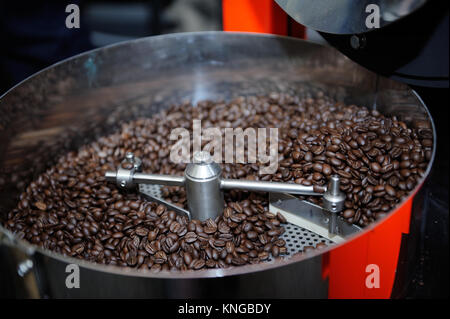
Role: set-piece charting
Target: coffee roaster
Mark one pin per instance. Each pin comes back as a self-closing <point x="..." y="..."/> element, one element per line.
<point x="87" y="96"/>
<point x="409" y="44"/>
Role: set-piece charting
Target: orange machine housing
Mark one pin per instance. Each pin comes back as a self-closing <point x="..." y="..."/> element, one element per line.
<point x="346" y="267"/>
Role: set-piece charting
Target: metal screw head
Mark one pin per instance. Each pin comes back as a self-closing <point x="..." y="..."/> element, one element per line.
<point x="357" y="42"/>
<point x="129" y="157"/>
<point x="24" y="267"/>
<point x="202" y="157"/>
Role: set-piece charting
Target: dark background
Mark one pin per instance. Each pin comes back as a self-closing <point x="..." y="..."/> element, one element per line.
<point x="34" y="35"/>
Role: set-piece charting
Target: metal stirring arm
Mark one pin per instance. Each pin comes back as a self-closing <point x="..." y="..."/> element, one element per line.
<point x="225" y="184"/>
<point x="271" y="187"/>
<point x="204" y="187"/>
<point x="128" y="175"/>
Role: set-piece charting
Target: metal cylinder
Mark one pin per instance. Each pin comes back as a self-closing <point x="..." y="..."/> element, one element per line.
<point x="333" y="201"/>
<point x="271" y="187"/>
<point x="202" y="182"/>
<point x="333" y="198"/>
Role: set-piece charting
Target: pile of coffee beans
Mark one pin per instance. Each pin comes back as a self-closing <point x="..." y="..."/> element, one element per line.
<point x="70" y="209"/>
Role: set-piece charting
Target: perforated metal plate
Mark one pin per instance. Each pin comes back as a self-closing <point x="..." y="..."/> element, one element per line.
<point x="296" y="237"/>
<point x="151" y="190"/>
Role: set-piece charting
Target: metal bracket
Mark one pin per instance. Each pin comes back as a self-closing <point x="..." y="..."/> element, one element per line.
<point x="153" y="193"/>
<point x="25" y="264"/>
<point x="310" y="216"/>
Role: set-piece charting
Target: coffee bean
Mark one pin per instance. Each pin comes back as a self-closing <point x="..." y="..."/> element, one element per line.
<point x="281" y="218"/>
<point x="40" y="205"/>
<point x="229" y="246"/>
<point x="390" y="190"/>
<point x="252" y="235"/>
<point x="140" y="231"/>
<point x="117" y="235"/>
<point x="198" y="264"/>
<point x="263" y="239"/>
<point x="326" y="169"/>
<point x="263" y="255"/>
<point x="348" y="213"/>
<point x="375" y="167"/>
<point x="219" y="243"/>
<point x="175" y="227"/>
<point x="211" y="226"/>
<point x="405" y="164"/>
<point x="335" y="162"/>
<point x="275" y="251"/>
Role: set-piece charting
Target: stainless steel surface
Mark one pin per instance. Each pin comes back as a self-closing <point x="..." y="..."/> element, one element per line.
<point x="136" y="161"/>
<point x="333" y="201"/>
<point x="346" y="16"/>
<point x="312" y="217"/>
<point x="25" y="267"/>
<point x="80" y="99"/>
<point x="299" y="239"/>
<point x="202" y="183"/>
<point x="271" y="187"/>
<point x="144" y="178"/>
<point x="124" y="177"/>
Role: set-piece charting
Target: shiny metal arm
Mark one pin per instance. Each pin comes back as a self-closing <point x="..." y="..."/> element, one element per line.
<point x="271" y="187"/>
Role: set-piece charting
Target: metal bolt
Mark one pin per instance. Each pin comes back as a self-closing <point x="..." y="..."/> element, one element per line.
<point x="130" y="157"/>
<point x="333" y="187"/>
<point x="202" y="157"/>
<point x="24" y="267"/>
<point x="357" y="42"/>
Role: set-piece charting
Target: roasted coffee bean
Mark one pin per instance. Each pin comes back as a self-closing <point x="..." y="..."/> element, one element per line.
<point x="375" y="167"/>
<point x="263" y="255"/>
<point x="117" y="235"/>
<point x="40" y="205"/>
<point x="223" y="228"/>
<point x="246" y="227"/>
<point x="348" y="213"/>
<point x="275" y="250"/>
<point x="390" y="190"/>
<point x="175" y="227"/>
<point x="252" y="235"/>
<point x="211" y="226"/>
<point x="281" y="218"/>
<point x="229" y="246"/>
<point x="263" y="239"/>
<point x="198" y="264"/>
<point x="335" y="162"/>
<point x="190" y="237"/>
<point x="219" y="243"/>
<point x="140" y="231"/>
